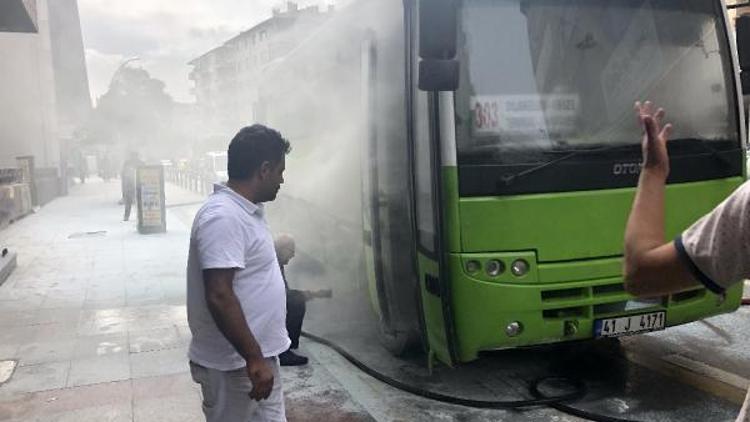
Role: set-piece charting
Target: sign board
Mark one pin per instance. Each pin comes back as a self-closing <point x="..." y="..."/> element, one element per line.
<point x="535" y="115"/>
<point x="150" y="199"/>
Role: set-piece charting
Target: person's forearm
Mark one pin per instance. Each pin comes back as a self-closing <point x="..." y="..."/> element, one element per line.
<point x="227" y="313"/>
<point x="645" y="227"/>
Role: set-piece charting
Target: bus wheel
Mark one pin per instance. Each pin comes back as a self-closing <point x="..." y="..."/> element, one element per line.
<point x="399" y="343"/>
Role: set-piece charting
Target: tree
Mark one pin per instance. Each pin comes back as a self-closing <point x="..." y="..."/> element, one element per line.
<point x="135" y="112"/>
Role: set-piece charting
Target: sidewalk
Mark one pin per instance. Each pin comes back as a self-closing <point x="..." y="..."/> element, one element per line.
<point x="95" y="317"/>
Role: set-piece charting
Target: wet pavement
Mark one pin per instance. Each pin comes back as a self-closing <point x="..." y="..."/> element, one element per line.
<point x="93" y="327"/>
<point x="94" y="317"/>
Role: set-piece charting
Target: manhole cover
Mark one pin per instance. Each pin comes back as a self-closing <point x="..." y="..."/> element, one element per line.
<point x="6" y="370"/>
<point x="100" y="233"/>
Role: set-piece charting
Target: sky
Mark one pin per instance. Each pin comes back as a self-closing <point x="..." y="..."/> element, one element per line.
<point x="164" y="35"/>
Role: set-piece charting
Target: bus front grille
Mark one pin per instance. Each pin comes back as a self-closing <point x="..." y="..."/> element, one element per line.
<point x="605" y="298"/>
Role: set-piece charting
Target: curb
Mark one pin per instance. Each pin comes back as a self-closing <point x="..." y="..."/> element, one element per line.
<point x="7" y="265"/>
<point x="704" y="377"/>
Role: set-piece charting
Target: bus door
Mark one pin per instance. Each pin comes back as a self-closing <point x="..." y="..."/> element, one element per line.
<point x="434" y="291"/>
<point x="424" y="108"/>
<point x="371" y="192"/>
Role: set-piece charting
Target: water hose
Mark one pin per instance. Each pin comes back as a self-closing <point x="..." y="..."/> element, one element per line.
<point x="556" y="402"/>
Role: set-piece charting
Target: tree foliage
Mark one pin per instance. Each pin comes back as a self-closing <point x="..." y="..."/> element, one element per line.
<point x="134" y="112"/>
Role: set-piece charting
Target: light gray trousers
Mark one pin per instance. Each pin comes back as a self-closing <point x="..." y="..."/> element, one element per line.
<point x="226" y="395"/>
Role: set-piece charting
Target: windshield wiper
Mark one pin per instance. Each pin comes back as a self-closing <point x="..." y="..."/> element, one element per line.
<point x="508" y="179"/>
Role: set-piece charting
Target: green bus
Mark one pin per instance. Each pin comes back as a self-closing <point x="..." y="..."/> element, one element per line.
<point x="498" y="157"/>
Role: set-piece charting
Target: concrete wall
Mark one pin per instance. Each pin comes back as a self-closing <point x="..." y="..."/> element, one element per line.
<point x="28" y="121"/>
<point x="69" y="64"/>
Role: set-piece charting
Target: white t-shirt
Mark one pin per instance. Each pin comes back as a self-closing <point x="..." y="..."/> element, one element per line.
<point x="717" y="247"/>
<point x="231" y="232"/>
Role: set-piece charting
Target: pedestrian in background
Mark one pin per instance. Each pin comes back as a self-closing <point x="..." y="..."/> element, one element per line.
<point x="128" y="182"/>
<point x="713" y="252"/>
<point x="236" y="302"/>
<point x="81" y="165"/>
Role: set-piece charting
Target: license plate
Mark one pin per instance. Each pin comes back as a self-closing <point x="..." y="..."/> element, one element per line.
<point x="632" y="324"/>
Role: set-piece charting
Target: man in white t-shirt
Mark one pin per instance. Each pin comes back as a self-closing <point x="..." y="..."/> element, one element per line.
<point x="712" y="252"/>
<point x="236" y="300"/>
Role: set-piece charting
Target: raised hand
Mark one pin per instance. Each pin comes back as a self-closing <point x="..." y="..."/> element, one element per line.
<point x="655" y="137"/>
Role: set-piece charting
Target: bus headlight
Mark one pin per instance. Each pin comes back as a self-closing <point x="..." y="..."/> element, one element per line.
<point x="519" y="268"/>
<point x="473" y="266"/>
<point x="495" y="267"/>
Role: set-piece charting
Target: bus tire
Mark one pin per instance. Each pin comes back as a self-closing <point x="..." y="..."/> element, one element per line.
<point x="399" y="343"/>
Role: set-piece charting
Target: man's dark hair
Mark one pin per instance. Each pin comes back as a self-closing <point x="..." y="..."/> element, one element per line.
<point x="250" y="147"/>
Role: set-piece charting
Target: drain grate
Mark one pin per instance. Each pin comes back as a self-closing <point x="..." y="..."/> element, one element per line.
<point x="100" y="233"/>
<point x="6" y="370"/>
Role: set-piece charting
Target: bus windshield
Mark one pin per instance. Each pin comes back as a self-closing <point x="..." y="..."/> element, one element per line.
<point x="542" y="78"/>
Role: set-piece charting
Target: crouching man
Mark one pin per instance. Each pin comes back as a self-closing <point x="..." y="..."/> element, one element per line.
<point x="296" y="302"/>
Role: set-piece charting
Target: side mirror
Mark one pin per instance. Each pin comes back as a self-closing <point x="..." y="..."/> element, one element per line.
<point x="438" y="20"/>
<point x="743" y="50"/>
<point x="745" y="82"/>
<point x="438" y="75"/>
<point x="743" y="41"/>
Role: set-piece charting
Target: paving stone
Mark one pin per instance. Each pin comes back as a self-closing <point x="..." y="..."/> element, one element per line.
<point x="9" y="350"/>
<point x="157" y="316"/>
<point x="99" y="369"/>
<point x="121" y="412"/>
<point x="45" y="376"/>
<point x="161" y="362"/>
<point x="164" y="386"/>
<point x="15" y="335"/>
<point x="104" y="303"/>
<point x="152" y="340"/>
<point x="101" y="345"/>
<point x="184" y="408"/>
<point x="53" y="332"/>
<point x="45" y="352"/>
<point x="9" y="318"/>
<point x="144" y="293"/>
<point x="64" y="315"/>
<point x="105" y="402"/>
<point x="25" y="304"/>
<point x="110" y="413"/>
<point x="101" y="324"/>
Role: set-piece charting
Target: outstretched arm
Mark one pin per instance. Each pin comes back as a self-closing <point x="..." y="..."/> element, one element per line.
<point x="652" y="267"/>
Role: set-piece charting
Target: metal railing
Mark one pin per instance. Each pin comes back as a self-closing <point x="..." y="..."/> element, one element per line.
<point x="194" y="181"/>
